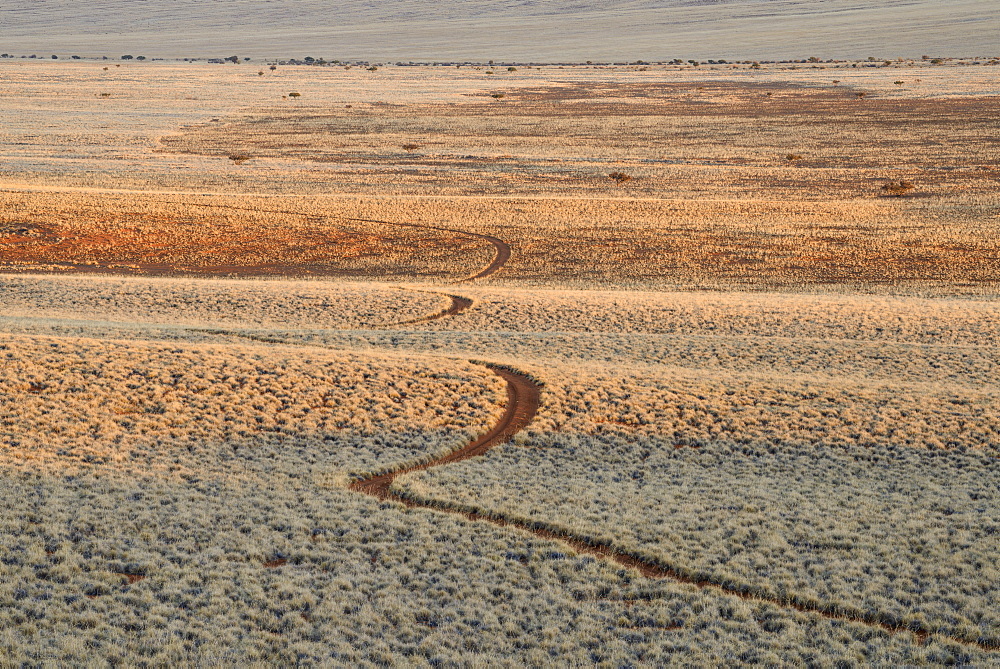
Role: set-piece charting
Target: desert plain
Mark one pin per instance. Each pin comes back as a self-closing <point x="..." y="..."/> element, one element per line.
<point x="483" y="365"/>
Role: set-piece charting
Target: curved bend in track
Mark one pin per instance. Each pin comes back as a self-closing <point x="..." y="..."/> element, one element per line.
<point x="522" y="404"/>
<point x="499" y="260"/>
<point x="458" y="303"/>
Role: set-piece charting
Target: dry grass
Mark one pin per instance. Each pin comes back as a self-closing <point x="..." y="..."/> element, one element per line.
<point x="816" y="421"/>
<point x="887" y="245"/>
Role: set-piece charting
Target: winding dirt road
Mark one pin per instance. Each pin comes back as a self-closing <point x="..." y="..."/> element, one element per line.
<point x="458" y="305"/>
<point x="502" y="253"/>
<point x="523" y="399"/>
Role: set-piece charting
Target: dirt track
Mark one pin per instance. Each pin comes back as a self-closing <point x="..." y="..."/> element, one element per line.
<point x="523" y="395"/>
<point x="522" y="404"/>
<point x="499" y="260"/>
<point x="523" y="398"/>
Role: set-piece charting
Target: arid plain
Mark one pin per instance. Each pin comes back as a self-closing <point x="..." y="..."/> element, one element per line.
<point x="393" y="371"/>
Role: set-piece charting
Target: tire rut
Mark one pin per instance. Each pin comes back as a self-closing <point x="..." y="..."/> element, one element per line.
<point x="458" y="305"/>
<point x="523" y="395"/>
<point x="502" y="253"/>
<point x="502" y="249"/>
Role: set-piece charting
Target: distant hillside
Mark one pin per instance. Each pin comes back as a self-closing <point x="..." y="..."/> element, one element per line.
<point x="524" y="30"/>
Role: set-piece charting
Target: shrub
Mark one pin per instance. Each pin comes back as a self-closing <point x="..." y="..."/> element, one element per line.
<point x="898" y="188"/>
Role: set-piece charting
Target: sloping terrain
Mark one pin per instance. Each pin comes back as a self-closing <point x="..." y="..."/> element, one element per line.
<point x="559" y="30"/>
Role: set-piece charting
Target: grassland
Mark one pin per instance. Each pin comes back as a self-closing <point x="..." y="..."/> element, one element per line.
<point x="767" y="389"/>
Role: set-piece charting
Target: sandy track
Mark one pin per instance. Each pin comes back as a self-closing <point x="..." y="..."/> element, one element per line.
<point x="523" y="395"/>
<point x="458" y="305"/>
<point x="499" y="260"/>
<point x="502" y="248"/>
<point x="523" y="398"/>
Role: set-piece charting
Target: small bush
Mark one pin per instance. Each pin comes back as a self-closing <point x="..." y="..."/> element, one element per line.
<point x="898" y="188"/>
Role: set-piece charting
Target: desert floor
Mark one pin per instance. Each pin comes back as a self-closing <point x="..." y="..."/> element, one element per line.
<point x="393" y="371"/>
